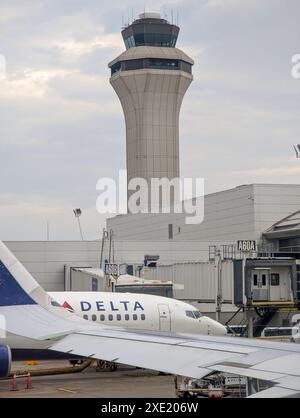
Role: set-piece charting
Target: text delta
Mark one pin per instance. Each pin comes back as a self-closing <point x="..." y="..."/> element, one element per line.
<point x="101" y="306"/>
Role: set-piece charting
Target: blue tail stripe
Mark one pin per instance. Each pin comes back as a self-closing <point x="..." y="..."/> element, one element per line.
<point x="11" y="293"/>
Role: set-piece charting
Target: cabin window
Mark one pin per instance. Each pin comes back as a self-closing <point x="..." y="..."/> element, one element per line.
<point x="86" y="317"/>
<point x="119" y="317"/>
<point x="102" y="317"/>
<point x="134" y="316"/>
<point x="94" y="318"/>
<point x="143" y="317"/>
<point x="126" y="317"/>
<point x="110" y="317"/>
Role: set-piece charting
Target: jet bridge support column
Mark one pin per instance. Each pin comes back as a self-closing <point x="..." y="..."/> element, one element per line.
<point x="249" y="317"/>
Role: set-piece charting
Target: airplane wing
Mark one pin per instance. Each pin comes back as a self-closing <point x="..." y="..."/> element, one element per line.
<point x="193" y="356"/>
<point x="28" y="312"/>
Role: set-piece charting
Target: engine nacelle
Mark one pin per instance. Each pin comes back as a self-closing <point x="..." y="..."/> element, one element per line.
<point x="5" y="360"/>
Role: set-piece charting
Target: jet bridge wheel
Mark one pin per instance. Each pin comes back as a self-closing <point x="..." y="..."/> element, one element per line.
<point x="261" y="312"/>
<point x="106" y="365"/>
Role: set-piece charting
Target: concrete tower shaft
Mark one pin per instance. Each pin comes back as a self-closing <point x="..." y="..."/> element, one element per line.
<point x="150" y="79"/>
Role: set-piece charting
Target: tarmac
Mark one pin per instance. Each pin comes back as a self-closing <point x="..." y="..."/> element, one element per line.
<point x="123" y="383"/>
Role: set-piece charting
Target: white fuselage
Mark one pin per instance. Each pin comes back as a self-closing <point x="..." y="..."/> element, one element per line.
<point x="139" y="311"/>
<point x="129" y="310"/>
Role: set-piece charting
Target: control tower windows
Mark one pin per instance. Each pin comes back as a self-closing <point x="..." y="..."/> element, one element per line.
<point x="155" y="63"/>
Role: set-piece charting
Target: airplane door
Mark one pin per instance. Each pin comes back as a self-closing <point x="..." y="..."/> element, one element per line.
<point x="275" y="287"/>
<point x="164" y="317"/>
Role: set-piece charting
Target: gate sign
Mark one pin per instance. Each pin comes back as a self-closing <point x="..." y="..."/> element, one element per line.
<point x="246" y="245"/>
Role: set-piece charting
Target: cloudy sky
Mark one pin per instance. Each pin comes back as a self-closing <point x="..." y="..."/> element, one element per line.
<point x="61" y="124"/>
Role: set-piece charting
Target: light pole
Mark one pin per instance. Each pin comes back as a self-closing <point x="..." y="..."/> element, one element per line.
<point x="78" y="213"/>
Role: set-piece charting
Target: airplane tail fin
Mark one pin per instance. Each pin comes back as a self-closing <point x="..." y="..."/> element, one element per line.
<point x="17" y="286"/>
<point x="25" y="305"/>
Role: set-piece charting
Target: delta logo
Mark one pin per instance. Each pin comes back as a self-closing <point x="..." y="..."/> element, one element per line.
<point x="67" y="306"/>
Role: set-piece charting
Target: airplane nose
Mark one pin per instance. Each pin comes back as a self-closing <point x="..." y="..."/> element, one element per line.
<point x="215" y="328"/>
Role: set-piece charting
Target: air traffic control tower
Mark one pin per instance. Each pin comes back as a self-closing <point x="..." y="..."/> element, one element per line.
<point x="150" y="79"/>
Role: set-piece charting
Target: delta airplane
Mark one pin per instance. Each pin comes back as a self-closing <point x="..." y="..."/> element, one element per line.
<point x="138" y="311"/>
<point x="26" y="313"/>
<point x="135" y="311"/>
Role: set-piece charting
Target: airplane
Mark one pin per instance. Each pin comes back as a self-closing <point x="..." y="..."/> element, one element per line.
<point x="138" y="311"/>
<point x="26" y="312"/>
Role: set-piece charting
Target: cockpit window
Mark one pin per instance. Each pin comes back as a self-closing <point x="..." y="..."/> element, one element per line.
<point x="56" y="304"/>
<point x="193" y="314"/>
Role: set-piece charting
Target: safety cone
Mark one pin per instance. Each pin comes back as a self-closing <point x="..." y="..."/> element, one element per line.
<point x="29" y="382"/>
<point x="14" y="386"/>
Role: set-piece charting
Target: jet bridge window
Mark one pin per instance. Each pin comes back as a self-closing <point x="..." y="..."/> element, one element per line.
<point x="275" y="279"/>
<point x="255" y="279"/>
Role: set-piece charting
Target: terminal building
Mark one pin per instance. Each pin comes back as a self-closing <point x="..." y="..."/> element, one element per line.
<point x="266" y="214"/>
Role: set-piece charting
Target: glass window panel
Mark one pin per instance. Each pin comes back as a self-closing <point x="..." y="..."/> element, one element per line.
<point x="190" y="314"/>
<point x="255" y="277"/>
<point x="275" y="279"/>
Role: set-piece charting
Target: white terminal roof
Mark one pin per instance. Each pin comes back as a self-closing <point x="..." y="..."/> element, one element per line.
<point x="286" y="227"/>
<point x="152" y="52"/>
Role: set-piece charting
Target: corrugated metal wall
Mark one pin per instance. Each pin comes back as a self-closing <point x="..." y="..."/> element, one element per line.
<point x="199" y="280"/>
<point x="46" y="260"/>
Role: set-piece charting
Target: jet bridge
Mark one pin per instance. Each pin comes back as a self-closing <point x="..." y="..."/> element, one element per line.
<point x="265" y="282"/>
